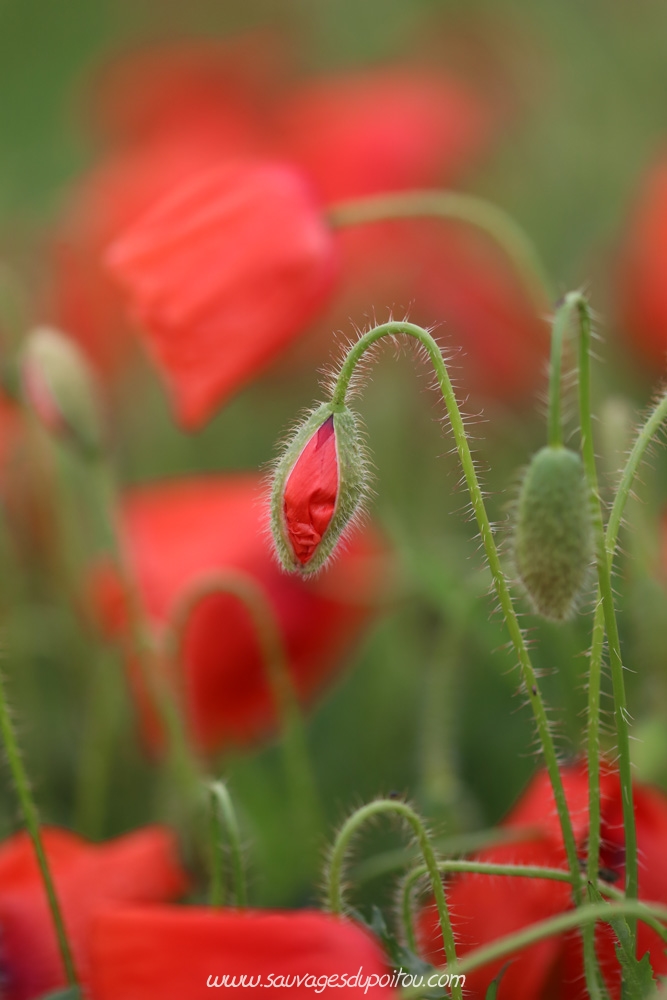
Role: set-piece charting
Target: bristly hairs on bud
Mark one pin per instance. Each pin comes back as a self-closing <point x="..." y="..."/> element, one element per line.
<point x="353" y="475"/>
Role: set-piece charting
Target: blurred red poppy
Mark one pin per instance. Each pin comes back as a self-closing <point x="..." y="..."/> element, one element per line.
<point x="169" y="953"/>
<point x="383" y="131"/>
<point x="642" y="277"/>
<point x="140" y="867"/>
<point x="177" y="536"/>
<point x="485" y="908"/>
<point x="222" y="275"/>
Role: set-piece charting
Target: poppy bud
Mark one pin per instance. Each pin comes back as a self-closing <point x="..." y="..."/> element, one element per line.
<point x="553" y="545"/>
<point x="59" y="386"/>
<point x="318" y="487"/>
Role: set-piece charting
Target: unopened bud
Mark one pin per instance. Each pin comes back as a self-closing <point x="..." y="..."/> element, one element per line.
<point x="60" y="388"/>
<point x="553" y="543"/>
<point x="318" y="487"/>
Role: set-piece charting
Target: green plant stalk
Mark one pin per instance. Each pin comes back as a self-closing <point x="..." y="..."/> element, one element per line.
<point x="185" y="765"/>
<point x="553" y="926"/>
<point x="336" y="866"/>
<point x="558" y="331"/>
<point x="100" y="730"/>
<point x="646" y="434"/>
<point x="528" y="675"/>
<point x="31" y="819"/>
<point x="482" y="868"/>
<point x="223" y="818"/>
<point x="454" y="205"/>
<point x="577" y="300"/>
<point x="243" y="587"/>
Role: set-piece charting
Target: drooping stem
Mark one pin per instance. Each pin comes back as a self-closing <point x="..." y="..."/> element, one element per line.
<point x="184" y="762"/>
<point x="223" y="820"/>
<point x="245" y="589"/>
<point x="576" y="300"/>
<point x="336" y="867"/>
<point x="552" y="927"/>
<point x="481" y="868"/>
<point x="454" y="205"/>
<point x="31" y="819"/>
<point x="528" y="674"/>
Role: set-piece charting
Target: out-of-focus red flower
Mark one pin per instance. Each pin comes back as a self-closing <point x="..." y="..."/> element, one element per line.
<point x="140" y="867"/>
<point x="163" y="953"/>
<point x="222" y="275"/>
<point x="177" y="536"/>
<point x="187" y="87"/>
<point x="84" y="301"/>
<point x="383" y="131"/>
<point x="484" y="908"/>
<point x="470" y="290"/>
<point x="642" y="279"/>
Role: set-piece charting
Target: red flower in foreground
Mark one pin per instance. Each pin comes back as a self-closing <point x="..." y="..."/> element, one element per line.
<point x="643" y="271"/>
<point x="177" y="535"/>
<point x="222" y="275"/>
<point x="161" y="953"/>
<point x="484" y="908"/>
<point x="311" y="491"/>
<point x="141" y="867"/>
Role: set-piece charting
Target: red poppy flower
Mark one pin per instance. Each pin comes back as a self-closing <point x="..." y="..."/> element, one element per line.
<point x="141" y="867"/>
<point x="383" y="131"/>
<point x="485" y="908"/>
<point x="168" y="953"/>
<point x="184" y="87"/>
<point x="177" y="535"/>
<point x="642" y="272"/>
<point x="222" y="275"/>
<point x="83" y="299"/>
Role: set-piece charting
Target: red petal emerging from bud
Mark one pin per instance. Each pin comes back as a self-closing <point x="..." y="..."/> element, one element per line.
<point x="311" y="491"/>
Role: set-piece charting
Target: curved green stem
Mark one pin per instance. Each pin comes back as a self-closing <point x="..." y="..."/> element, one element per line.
<point x="223" y="819"/>
<point x="528" y="674"/>
<point x="482" y="868"/>
<point x="31" y="819"/>
<point x="496" y="223"/>
<point x="244" y="588"/>
<point x="186" y="766"/>
<point x="576" y="301"/>
<point x="335" y="870"/>
<point x="647" y="432"/>
<point x="553" y="926"/>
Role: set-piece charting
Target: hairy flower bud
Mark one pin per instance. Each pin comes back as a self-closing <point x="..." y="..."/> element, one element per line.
<point x="318" y="486"/>
<point x="553" y="544"/>
<point x="59" y="386"/>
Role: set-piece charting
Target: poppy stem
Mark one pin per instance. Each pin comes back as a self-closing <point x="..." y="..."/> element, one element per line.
<point x="651" y="914"/>
<point x="31" y="819"/>
<point x="336" y="866"/>
<point x="298" y="770"/>
<point x="185" y="764"/>
<point x="454" y="205"/>
<point x="528" y="675"/>
<point x="223" y="819"/>
<point x="646" y="434"/>
<point x="577" y="303"/>
<point x="481" y="868"/>
<point x="558" y="330"/>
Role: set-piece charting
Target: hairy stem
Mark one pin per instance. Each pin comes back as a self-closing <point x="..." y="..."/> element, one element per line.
<point x="336" y="867"/>
<point x="223" y="819"/>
